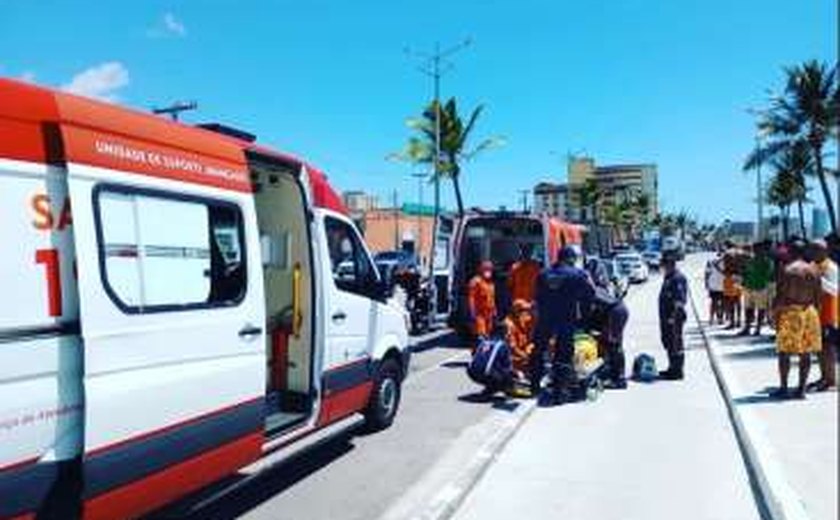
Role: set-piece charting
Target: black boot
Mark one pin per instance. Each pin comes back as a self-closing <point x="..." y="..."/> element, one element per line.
<point x="563" y="379"/>
<point x="675" y="367"/>
<point x="617" y="367"/>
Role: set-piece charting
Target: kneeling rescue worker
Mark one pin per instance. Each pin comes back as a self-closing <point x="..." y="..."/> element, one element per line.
<point x="519" y="331"/>
<point x="672" y="315"/>
<point x="563" y="293"/>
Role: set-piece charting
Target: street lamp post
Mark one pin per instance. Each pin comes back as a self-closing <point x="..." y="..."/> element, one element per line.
<point x="432" y="68"/>
<point x="759" y="228"/>
<point x="420" y="176"/>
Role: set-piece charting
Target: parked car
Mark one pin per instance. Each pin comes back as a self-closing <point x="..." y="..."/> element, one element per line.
<point x="391" y="263"/>
<point x="653" y="259"/>
<point x="607" y="273"/>
<point x="634" y="266"/>
<point x="619" y="281"/>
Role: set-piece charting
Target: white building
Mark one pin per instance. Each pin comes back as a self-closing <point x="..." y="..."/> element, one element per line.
<point x="551" y="199"/>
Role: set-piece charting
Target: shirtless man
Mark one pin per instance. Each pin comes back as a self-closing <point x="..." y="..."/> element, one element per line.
<point x="797" y="318"/>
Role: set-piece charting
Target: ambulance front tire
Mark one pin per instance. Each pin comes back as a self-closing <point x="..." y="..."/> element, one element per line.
<point x="385" y="396"/>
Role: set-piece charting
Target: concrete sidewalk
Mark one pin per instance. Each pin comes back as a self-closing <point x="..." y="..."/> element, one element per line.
<point x="796" y="440"/>
<point x="659" y="451"/>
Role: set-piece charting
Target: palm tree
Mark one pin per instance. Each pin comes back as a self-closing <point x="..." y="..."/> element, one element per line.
<point x="808" y="111"/>
<point x="643" y="207"/>
<point x="782" y="192"/>
<point x="793" y="163"/>
<point x="614" y="218"/>
<point x="454" y="138"/>
<point x="590" y="195"/>
<point x="681" y="220"/>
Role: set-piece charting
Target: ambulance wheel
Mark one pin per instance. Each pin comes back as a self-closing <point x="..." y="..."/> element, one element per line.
<point x="385" y="396"/>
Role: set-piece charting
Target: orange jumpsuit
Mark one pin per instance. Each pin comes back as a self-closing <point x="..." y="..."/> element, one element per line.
<point x="523" y="280"/>
<point x="481" y="297"/>
<point x="520" y="333"/>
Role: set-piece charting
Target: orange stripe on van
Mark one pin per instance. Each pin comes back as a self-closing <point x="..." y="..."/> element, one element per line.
<point x="152" y="492"/>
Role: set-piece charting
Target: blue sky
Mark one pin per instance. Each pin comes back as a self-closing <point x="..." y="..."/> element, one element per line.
<point x="623" y="80"/>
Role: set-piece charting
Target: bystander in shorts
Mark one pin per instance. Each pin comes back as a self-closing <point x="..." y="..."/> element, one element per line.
<point x="798" y="330"/>
<point x="757" y="300"/>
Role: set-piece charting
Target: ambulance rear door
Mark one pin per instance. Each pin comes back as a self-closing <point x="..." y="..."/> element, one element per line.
<point x="172" y="317"/>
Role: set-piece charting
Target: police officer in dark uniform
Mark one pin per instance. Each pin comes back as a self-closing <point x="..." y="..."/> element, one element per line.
<point x="672" y="315"/>
<point x="564" y="293"/>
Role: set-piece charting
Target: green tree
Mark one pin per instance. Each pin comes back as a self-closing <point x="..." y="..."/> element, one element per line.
<point x="614" y="219"/>
<point x="455" y="137"/>
<point x="794" y="163"/>
<point x="590" y="196"/>
<point x="807" y="111"/>
<point x="782" y="192"/>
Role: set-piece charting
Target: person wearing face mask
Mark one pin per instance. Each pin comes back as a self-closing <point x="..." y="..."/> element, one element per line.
<point x="481" y="300"/>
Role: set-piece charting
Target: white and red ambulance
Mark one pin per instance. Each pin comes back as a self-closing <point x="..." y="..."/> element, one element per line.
<point x="205" y="300"/>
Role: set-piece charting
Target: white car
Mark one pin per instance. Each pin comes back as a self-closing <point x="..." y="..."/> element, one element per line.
<point x="634" y="266"/>
<point x="653" y="259"/>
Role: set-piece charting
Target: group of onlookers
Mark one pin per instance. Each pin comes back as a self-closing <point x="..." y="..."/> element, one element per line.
<point x="791" y="286"/>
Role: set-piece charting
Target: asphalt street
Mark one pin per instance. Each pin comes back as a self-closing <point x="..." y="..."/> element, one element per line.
<point x="662" y="451"/>
<point x="359" y="476"/>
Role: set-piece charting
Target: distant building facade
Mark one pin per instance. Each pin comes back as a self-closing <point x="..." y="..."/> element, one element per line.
<point x="616" y="183"/>
<point x="406" y="227"/>
<point x="551" y="199"/>
<point x="359" y="201"/>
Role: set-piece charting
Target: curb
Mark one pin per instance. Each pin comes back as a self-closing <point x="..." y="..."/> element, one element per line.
<point x="777" y="499"/>
<point x="449" y="495"/>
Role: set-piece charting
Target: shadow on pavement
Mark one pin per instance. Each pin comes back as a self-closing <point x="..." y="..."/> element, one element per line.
<point x="758" y="398"/>
<point x="449" y="340"/>
<point x="456" y="364"/>
<point x="496" y="401"/>
<point x="243" y="493"/>
<point x="733" y="339"/>
<point x="766" y="352"/>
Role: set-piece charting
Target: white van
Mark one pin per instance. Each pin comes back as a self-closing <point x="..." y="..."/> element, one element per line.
<point x="204" y="301"/>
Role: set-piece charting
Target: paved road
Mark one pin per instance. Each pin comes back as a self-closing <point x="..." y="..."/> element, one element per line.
<point x="659" y="451"/>
<point x="359" y="477"/>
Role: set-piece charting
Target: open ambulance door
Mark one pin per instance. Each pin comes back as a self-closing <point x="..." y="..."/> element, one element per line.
<point x="171" y="312"/>
<point x="442" y="268"/>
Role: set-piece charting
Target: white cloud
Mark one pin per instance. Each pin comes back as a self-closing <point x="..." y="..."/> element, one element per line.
<point x="27" y="76"/>
<point x="100" y="81"/>
<point x="167" y="26"/>
<point x="173" y="26"/>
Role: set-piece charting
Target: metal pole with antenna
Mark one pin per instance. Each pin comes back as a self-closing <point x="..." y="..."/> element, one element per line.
<point x="420" y="176"/>
<point x="175" y="109"/>
<point x="524" y="194"/>
<point x="432" y="67"/>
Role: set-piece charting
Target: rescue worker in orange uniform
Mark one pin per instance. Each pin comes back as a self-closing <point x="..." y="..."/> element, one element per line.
<point x="522" y="281"/>
<point x="519" y="329"/>
<point x="481" y="300"/>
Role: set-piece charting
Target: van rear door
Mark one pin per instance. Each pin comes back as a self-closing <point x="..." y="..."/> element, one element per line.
<point x="172" y="319"/>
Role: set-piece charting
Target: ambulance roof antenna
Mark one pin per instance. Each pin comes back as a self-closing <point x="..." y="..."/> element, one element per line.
<point x="176" y="108"/>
